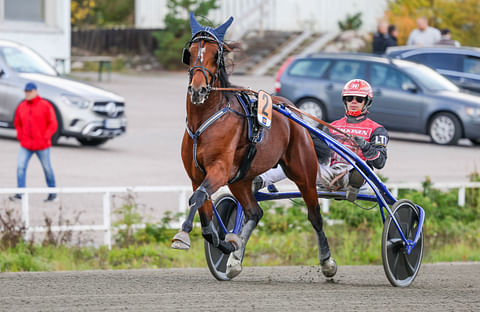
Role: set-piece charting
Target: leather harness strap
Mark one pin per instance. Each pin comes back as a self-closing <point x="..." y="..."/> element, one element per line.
<point x="207" y="123"/>
<point x="293" y="108"/>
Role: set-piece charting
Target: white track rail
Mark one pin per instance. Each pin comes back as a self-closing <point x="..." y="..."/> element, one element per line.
<point x="182" y="191"/>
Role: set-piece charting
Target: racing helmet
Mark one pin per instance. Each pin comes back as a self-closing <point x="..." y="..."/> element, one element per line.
<point x="358" y="87"/>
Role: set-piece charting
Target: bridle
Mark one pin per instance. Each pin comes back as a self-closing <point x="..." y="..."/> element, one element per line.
<point x="198" y="64"/>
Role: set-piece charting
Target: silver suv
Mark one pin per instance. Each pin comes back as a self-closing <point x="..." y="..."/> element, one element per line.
<point x="87" y="113"/>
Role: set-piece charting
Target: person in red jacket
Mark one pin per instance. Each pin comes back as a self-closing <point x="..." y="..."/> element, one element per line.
<point x="369" y="142"/>
<point x="35" y="122"/>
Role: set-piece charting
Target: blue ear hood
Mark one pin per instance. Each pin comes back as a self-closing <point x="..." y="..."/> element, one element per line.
<point x="218" y="33"/>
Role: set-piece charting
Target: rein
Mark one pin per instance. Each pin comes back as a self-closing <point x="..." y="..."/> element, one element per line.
<point x="198" y="64"/>
<point x="293" y="108"/>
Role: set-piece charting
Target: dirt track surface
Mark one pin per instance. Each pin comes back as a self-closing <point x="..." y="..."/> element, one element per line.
<point x="438" y="287"/>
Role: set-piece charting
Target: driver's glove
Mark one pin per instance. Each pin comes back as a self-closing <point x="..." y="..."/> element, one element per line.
<point x="361" y="142"/>
<point x="368" y="149"/>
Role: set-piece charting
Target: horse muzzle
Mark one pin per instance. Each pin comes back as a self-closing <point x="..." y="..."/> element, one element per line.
<point x="198" y="96"/>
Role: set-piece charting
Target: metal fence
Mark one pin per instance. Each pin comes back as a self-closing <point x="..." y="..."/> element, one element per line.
<point x="182" y="191"/>
<point x="115" y="40"/>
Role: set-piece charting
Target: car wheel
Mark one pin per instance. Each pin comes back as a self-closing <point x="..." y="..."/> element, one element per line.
<point x="445" y="129"/>
<point x="313" y="107"/>
<point x="91" y="142"/>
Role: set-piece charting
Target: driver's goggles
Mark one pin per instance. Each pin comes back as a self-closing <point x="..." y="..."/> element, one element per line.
<point x="350" y="98"/>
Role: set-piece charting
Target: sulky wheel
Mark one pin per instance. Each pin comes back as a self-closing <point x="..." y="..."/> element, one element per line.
<point x="217" y="261"/>
<point x="401" y="268"/>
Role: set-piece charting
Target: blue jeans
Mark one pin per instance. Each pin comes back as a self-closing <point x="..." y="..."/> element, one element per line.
<point x="24" y="157"/>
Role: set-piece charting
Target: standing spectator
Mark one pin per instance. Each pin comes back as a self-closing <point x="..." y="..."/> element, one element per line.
<point x="446" y="38"/>
<point x="393" y="35"/>
<point x="423" y="35"/>
<point x="35" y="123"/>
<point x="381" y="40"/>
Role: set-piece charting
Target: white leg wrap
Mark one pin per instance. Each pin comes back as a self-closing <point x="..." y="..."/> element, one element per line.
<point x="273" y="175"/>
<point x="234" y="263"/>
<point x="181" y="241"/>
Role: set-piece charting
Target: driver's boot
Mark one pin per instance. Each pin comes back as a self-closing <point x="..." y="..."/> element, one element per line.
<point x="355" y="181"/>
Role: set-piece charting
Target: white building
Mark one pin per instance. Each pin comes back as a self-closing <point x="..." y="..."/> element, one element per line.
<point x="290" y="15"/>
<point x="43" y="25"/>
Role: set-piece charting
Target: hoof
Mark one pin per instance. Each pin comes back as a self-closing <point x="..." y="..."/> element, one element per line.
<point x="329" y="267"/>
<point x="181" y="241"/>
<point x="235" y="240"/>
<point x="234" y="265"/>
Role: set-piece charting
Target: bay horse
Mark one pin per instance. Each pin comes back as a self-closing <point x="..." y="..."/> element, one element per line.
<point x="215" y="142"/>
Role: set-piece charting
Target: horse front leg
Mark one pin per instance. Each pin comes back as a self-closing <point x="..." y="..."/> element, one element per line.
<point x="200" y="200"/>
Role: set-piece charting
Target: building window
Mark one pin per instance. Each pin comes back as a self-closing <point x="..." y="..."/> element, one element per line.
<point x="24" y="10"/>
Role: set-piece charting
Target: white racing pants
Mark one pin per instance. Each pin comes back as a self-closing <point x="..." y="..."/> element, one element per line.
<point x="330" y="177"/>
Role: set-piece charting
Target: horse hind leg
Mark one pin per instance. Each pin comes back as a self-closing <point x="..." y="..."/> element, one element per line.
<point x="328" y="264"/>
<point x="305" y="178"/>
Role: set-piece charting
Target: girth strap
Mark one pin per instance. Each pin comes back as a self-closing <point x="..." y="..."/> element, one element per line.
<point x="246" y="162"/>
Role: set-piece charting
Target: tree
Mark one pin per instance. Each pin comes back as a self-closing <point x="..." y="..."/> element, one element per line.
<point x="81" y="11"/>
<point x="351" y="22"/>
<point x="459" y="16"/>
<point x="177" y="29"/>
<point x="94" y="13"/>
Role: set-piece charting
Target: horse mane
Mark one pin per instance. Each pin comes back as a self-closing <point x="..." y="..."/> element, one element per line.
<point x="223" y="76"/>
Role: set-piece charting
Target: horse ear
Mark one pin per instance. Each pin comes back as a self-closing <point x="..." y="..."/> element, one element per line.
<point x="222" y="29"/>
<point x="194" y="25"/>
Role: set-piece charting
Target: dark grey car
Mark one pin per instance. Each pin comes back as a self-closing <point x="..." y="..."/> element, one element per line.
<point x="87" y="113"/>
<point x="408" y="97"/>
<point x="459" y="64"/>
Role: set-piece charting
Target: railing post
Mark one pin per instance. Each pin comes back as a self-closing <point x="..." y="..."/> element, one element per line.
<point x="325" y="205"/>
<point x="107" y="220"/>
<point x="395" y="191"/>
<point x="26" y="214"/>
<point x="182" y="206"/>
<point x="461" y="196"/>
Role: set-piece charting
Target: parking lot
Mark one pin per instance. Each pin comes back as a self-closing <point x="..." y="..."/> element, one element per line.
<point x="149" y="153"/>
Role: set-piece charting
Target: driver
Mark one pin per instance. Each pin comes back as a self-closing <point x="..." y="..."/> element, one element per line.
<point x="369" y="142"/>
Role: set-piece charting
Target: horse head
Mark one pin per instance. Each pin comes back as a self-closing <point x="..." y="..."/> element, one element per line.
<point x="204" y="54"/>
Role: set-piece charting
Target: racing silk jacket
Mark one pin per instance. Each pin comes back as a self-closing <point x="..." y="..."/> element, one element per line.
<point x="376" y="136"/>
<point x="35" y="123"/>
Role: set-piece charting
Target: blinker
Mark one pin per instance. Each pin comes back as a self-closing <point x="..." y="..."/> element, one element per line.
<point x="186" y="56"/>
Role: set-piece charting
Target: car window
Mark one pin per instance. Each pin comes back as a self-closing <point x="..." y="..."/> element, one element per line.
<point x="443" y="61"/>
<point x="417" y="58"/>
<point x="385" y="76"/>
<point x="471" y="65"/>
<point x="347" y="70"/>
<point x="429" y="78"/>
<point x="309" y="68"/>
<point x="24" y="60"/>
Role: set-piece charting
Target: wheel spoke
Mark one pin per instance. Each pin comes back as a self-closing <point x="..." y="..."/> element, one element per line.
<point x="219" y="260"/>
<point x="395" y="264"/>
<point x="394" y="242"/>
<point x="411" y="220"/>
<point x="408" y="266"/>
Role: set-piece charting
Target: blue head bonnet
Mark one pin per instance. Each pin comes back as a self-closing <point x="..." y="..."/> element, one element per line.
<point x="217" y="33"/>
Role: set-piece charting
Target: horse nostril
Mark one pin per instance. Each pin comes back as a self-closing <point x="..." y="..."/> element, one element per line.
<point x="203" y="90"/>
<point x="190" y="89"/>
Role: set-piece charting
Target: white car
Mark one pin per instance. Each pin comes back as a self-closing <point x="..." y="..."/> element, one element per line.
<point x="87" y="113"/>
